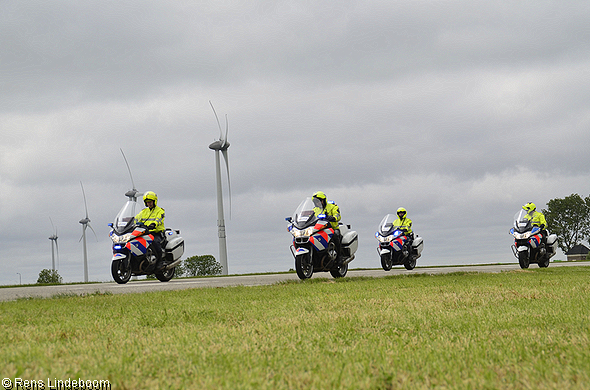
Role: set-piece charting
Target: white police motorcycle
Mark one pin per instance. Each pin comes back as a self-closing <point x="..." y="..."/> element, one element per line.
<point x="528" y="246"/>
<point x="395" y="247"/>
<point x="133" y="253"/>
<point x="315" y="244"/>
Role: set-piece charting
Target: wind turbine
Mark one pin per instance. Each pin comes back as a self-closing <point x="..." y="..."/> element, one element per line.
<point x="133" y="193"/>
<point x="221" y="145"/>
<point x="85" y="223"/>
<point x="53" y="239"/>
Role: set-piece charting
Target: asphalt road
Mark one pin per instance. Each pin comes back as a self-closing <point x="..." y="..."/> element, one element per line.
<point x="13" y="293"/>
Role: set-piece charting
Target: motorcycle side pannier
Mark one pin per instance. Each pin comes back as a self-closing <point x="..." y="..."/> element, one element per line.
<point x="552" y="243"/>
<point x="350" y="242"/>
<point x="418" y="245"/>
<point x="174" y="244"/>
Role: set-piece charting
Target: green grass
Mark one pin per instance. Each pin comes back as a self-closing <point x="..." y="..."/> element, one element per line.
<point x="516" y="330"/>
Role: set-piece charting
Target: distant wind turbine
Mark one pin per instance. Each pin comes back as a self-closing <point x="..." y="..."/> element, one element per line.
<point x="54" y="247"/>
<point x="85" y="223"/>
<point x="221" y="145"/>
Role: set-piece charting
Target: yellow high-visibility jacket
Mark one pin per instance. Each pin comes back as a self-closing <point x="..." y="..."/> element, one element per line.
<point x="405" y="224"/>
<point x="537" y="219"/>
<point x="331" y="209"/>
<point x="148" y="216"/>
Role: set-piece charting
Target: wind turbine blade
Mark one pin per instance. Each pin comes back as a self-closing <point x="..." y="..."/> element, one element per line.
<point x="93" y="232"/>
<point x="85" y="204"/>
<point x="226" y="130"/>
<point x="224" y="152"/>
<point x="216" y="117"/>
<point x="83" y="232"/>
<point x="129" y="169"/>
<point x="53" y="226"/>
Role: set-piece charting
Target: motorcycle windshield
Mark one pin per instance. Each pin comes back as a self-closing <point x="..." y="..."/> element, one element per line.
<point x="305" y="214"/>
<point x="522" y="221"/>
<point x="387" y="226"/>
<point x="126" y="217"/>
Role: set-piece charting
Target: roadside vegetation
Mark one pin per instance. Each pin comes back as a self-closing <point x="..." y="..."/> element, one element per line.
<point x="526" y="329"/>
<point x="48" y="276"/>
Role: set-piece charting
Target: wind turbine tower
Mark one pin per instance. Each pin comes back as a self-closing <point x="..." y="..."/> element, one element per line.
<point x="221" y="145"/>
<point x="54" y="247"/>
<point x="85" y="223"/>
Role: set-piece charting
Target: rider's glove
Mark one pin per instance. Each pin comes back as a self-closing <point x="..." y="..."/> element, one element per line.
<point x="330" y="218"/>
<point x="152" y="226"/>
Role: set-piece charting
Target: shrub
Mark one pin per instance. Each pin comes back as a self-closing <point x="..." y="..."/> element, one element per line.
<point x="48" y="276"/>
<point x="202" y="265"/>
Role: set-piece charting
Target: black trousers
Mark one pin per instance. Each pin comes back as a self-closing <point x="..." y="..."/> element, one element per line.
<point x="157" y="245"/>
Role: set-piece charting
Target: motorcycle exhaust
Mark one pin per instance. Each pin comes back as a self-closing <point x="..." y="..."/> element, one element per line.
<point x="173" y="264"/>
<point x="351" y="258"/>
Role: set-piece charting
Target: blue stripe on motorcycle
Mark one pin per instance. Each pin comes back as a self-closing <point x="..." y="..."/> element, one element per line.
<point x="321" y="240"/>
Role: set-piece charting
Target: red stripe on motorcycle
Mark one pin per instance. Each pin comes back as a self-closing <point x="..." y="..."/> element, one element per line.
<point x="324" y="235"/>
<point x="535" y="241"/>
<point x="398" y="243"/>
<point x="318" y="226"/>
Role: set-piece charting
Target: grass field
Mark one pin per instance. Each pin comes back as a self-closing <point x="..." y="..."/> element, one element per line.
<point x="516" y="330"/>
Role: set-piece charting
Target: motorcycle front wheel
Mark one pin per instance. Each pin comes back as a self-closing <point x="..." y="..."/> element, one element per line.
<point x="120" y="274"/>
<point x="303" y="266"/>
<point x="523" y="259"/>
<point x="165" y="275"/>
<point x="340" y="271"/>
<point x="386" y="261"/>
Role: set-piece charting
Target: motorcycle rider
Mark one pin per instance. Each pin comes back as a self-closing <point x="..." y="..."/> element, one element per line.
<point x="152" y="216"/>
<point x="405" y="225"/>
<point x="537" y="219"/>
<point x="332" y="212"/>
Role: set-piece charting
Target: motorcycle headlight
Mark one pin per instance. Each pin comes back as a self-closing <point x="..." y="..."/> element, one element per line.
<point x="522" y="236"/>
<point x="302" y="233"/>
<point x="122" y="239"/>
<point x="384" y="239"/>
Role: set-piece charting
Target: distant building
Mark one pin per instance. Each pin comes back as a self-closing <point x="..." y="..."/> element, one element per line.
<point x="577" y="253"/>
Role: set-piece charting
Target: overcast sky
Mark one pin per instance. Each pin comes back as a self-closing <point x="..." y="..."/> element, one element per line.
<point x="459" y="111"/>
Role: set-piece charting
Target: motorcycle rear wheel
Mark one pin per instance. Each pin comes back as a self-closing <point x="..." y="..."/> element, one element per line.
<point x="544" y="263"/>
<point x="410" y="263"/>
<point x="165" y="275"/>
<point x="523" y="260"/>
<point x="386" y="261"/>
<point x="120" y="275"/>
<point x="303" y="266"/>
<point x="340" y="271"/>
